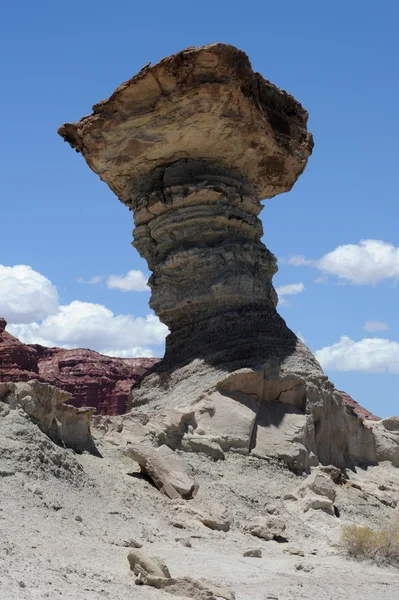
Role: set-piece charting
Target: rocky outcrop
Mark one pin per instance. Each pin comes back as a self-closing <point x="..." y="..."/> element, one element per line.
<point x="191" y="146"/>
<point x="102" y="382"/>
<point x="18" y="362"/>
<point x="65" y="425"/>
<point x="360" y="411"/>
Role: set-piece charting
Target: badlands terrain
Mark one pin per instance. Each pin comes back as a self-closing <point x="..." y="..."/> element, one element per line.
<point x="69" y="521"/>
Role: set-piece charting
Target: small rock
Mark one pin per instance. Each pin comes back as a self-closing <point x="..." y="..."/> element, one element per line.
<point x="272" y="509"/>
<point x="21" y="584"/>
<point x="304" y="568"/>
<point x="185" y="542"/>
<point x="78" y="518"/>
<point x="255" y="553"/>
<point x="294" y="551"/>
<point x="291" y="497"/>
<point x="178" y="525"/>
<point x="132" y="544"/>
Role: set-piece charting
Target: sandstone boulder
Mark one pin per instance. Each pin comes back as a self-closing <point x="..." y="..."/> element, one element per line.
<point x="169" y="471"/>
<point x="317" y="483"/>
<point x="267" y="528"/>
<point x="43" y="403"/>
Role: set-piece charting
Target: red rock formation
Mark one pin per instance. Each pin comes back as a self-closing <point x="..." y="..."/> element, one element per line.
<point x="18" y="362"/>
<point x="93" y="379"/>
<point x="357" y="409"/>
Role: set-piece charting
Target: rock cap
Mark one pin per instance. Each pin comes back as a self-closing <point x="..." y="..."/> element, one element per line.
<point x="202" y="103"/>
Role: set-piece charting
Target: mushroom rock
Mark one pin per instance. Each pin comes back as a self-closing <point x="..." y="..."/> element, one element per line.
<point x="192" y="145"/>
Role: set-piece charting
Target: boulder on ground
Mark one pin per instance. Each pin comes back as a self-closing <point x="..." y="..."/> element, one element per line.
<point x="319" y="484"/>
<point x="267" y="528"/>
<point x="214" y="516"/>
<point x="169" y="472"/>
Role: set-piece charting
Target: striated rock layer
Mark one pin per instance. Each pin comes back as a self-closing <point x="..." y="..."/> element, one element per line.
<point x="94" y="380"/>
<point x="103" y="382"/>
<point x="191" y="146"/>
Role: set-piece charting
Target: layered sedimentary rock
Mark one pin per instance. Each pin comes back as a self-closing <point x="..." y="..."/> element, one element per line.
<point x="192" y="145"/>
<point x="103" y="382"/>
<point x="94" y="380"/>
<point x="18" y="362"/>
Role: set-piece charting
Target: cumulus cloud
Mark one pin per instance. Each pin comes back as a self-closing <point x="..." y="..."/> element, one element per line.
<point x="367" y="262"/>
<point x="25" y="294"/>
<point x="375" y="326"/>
<point x="133" y="281"/>
<point x="369" y="355"/>
<point x="87" y="325"/>
<point x="289" y="290"/>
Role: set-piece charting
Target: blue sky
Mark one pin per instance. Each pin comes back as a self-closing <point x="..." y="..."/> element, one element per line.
<point x="338" y="59"/>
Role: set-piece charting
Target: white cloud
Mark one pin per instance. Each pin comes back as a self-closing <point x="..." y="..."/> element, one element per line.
<point x="91" y="281"/>
<point x="369" y="355"/>
<point x="87" y="325"/>
<point x="289" y="290"/>
<point x="133" y="281"/>
<point x="368" y="262"/>
<point x="299" y="260"/>
<point x="25" y="294"/>
<point x="375" y="326"/>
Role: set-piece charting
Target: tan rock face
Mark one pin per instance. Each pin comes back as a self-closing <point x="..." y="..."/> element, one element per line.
<point x="202" y="103"/>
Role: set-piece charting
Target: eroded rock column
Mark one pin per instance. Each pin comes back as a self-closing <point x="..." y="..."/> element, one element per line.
<point x="197" y="226"/>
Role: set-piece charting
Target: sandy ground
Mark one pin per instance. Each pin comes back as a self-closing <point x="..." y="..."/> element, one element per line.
<point x="64" y="520"/>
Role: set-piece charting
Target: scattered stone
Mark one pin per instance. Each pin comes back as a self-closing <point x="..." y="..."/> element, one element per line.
<point x="267" y="528"/>
<point x="294" y="551"/>
<point x="255" y="553"/>
<point x="78" y="518"/>
<point x="304" y="568"/>
<point x="143" y="566"/>
<point x="169" y="472"/>
<point x="272" y="509"/>
<point x="185" y="542"/>
<point x="215" y="517"/>
<point x="132" y="544"/>
<point x="317" y="483"/>
<point x="155" y="573"/>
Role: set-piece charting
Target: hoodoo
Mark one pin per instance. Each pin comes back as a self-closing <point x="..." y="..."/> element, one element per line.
<point x="192" y="145"/>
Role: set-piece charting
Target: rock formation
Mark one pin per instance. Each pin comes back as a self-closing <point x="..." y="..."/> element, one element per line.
<point x="94" y="380"/>
<point x="103" y="382"/>
<point x="65" y="425"/>
<point x="18" y="362"/>
<point x="191" y="146"/>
